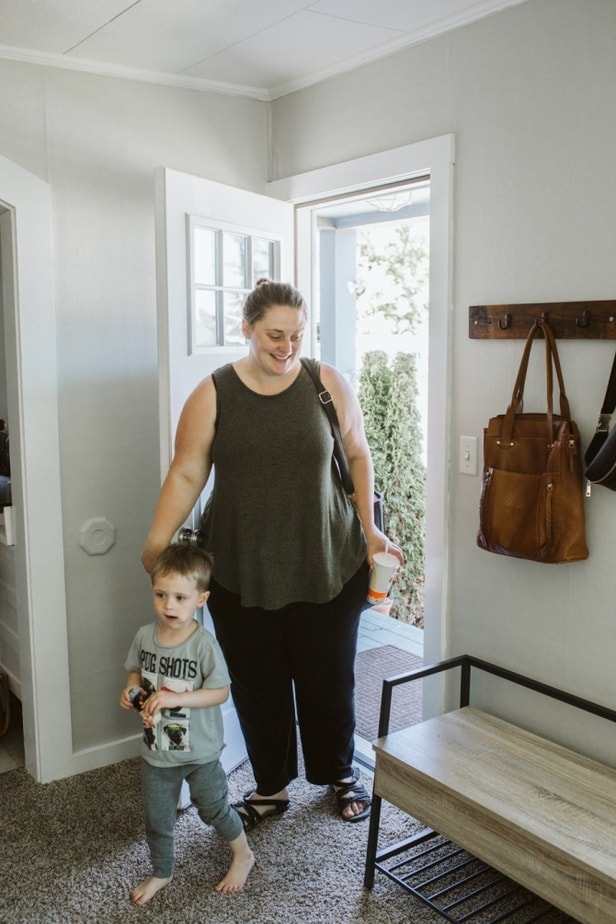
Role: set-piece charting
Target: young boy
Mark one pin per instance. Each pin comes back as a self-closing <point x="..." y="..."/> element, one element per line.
<point x="178" y="679"/>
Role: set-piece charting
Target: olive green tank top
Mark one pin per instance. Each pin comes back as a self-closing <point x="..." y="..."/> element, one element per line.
<point x="278" y="523"/>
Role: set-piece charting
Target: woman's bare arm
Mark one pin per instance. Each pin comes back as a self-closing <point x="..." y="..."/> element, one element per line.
<point x="188" y="471"/>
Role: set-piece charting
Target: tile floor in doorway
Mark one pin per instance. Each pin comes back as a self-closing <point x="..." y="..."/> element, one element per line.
<point x="375" y="631"/>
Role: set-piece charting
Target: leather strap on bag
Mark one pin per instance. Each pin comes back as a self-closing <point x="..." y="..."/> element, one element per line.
<point x="517" y="398"/>
<point x="605" y="416"/>
<point x="311" y="367"/>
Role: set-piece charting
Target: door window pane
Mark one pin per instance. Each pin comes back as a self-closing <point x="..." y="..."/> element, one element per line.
<point x="204" y="256"/>
<point x="225" y="265"/>
<point x="235" y="253"/>
<point x="233" y="302"/>
<point x="205" y="319"/>
<point x="262" y="260"/>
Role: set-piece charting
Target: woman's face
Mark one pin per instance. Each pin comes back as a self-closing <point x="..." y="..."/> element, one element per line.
<point x="276" y="339"/>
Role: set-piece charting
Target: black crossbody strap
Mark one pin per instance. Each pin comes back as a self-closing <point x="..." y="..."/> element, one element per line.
<point x="312" y="368"/>
<point x="603" y="423"/>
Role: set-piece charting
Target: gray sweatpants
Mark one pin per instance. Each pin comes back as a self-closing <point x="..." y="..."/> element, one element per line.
<point x="161" y="790"/>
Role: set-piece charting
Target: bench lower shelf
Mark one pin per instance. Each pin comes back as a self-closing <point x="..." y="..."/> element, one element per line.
<point x="460" y="887"/>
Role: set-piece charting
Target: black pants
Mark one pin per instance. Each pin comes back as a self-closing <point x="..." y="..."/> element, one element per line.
<point x="305" y="649"/>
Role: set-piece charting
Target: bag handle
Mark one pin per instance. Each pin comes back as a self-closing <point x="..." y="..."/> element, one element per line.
<point x="565" y="410"/>
<point x="552" y="360"/>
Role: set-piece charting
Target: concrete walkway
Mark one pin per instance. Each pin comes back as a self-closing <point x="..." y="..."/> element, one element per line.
<point x="376" y="630"/>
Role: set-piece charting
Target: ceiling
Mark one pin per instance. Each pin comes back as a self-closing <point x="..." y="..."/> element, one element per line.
<point x="257" y="48"/>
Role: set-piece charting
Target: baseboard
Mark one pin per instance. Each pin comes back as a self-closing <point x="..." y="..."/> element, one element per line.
<point x="92" y="758"/>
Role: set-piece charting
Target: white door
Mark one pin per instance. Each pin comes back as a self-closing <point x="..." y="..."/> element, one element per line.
<point x="212" y="243"/>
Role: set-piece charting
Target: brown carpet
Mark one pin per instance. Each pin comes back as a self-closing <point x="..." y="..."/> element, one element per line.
<point x="371" y="668"/>
<point x="71" y="850"/>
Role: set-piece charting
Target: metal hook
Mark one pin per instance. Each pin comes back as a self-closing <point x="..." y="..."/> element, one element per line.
<point x="504" y="323"/>
<point x="584" y="321"/>
<point x="544" y="319"/>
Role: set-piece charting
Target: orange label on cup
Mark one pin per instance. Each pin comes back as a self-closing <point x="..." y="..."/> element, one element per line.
<point x="374" y="596"/>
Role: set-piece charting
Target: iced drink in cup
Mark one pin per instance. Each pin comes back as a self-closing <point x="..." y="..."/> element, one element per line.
<point x="381" y="576"/>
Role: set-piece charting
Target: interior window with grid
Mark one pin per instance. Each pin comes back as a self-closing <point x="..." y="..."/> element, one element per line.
<point x="225" y="263"/>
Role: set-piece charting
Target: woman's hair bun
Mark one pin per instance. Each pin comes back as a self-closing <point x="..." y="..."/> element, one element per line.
<point x="267" y="294"/>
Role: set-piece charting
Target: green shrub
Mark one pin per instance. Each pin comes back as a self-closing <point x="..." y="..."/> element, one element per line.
<point x="388" y="397"/>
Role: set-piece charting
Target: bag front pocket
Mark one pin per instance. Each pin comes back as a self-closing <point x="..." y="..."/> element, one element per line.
<point x="515" y="513"/>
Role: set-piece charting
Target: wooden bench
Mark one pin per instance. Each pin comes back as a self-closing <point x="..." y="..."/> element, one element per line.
<point x="539" y="813"/>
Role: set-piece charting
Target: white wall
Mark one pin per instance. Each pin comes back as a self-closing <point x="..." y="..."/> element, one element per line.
<point x="530" y="95"/>
<point x="96" y="141"/>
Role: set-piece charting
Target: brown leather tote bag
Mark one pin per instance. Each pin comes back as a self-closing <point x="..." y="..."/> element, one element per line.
<point x="532" y="497"/>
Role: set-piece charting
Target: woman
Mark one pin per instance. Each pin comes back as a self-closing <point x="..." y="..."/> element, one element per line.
<point x="291" y="551"/>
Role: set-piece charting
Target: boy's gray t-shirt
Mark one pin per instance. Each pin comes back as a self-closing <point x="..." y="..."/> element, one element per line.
<point x="183" y="735"/>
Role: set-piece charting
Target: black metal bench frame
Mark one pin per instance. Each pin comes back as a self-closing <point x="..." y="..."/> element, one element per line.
<point x="423" y="881"/>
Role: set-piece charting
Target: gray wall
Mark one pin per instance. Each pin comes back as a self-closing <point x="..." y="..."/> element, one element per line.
<point x="97" y="140"/>
<point x="530" y="95"/>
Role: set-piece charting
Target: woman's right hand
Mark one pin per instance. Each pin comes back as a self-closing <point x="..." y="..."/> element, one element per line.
<point x="149" y="556"/>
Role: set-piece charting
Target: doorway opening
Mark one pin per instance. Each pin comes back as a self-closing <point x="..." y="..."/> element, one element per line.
<point x="370" y="296"/>
<point x="433" y="158"/>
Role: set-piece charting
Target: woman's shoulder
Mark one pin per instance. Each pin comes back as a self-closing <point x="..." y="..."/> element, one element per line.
<point x="334" y="381"/>
<point x="224" y="373"/>
<point x="203" y="396"/>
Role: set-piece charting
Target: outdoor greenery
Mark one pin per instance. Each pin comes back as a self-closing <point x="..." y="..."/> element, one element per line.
<point x="392" y="288"/>
<point x="392" y="278"/>
<point x="388" y="396"/>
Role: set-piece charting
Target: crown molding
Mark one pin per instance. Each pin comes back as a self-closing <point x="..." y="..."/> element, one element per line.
<point x="101" y="69"/>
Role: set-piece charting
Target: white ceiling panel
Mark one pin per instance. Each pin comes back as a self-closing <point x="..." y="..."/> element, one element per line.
<point x="159" y="35"/>
<point x="269" y="56"/>
<point x="258" y="48"/>
<point x="408" y="16"/>
<point x="47" y="26"/>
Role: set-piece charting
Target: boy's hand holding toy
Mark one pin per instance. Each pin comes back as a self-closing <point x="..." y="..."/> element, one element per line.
<point x="138" y="697"/>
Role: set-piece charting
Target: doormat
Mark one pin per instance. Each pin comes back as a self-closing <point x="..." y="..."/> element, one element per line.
<point x="371" y="668"/>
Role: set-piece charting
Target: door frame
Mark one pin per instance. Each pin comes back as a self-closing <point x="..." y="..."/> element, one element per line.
<point x="436" y="158"/>
<point x="32" y="392"/>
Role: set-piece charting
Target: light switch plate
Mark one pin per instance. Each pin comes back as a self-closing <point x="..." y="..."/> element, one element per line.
<point x="468" y="455"/>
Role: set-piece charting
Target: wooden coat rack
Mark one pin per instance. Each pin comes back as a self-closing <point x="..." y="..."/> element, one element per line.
<point x="594" y="320"/>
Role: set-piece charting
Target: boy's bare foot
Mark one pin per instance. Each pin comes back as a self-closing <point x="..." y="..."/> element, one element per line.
<point x="242" y="861"/>
<point x="142" y="893"/>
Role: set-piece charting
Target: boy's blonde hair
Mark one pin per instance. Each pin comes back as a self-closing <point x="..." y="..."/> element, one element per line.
<point x="187" y="560"/>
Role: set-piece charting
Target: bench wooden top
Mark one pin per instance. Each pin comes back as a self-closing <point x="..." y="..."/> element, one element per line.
<point x="554" y="800"/>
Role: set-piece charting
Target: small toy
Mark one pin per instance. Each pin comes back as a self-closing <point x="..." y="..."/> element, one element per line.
<point x="138" y="697"/>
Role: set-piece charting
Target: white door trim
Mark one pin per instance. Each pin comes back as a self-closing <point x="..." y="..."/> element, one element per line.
<point x="33" y="413"/>
<point x="435" y="156"/>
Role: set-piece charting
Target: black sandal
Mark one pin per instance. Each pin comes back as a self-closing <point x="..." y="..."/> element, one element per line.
<point x="346" y="793"/>
<point x="251" y="817"/>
